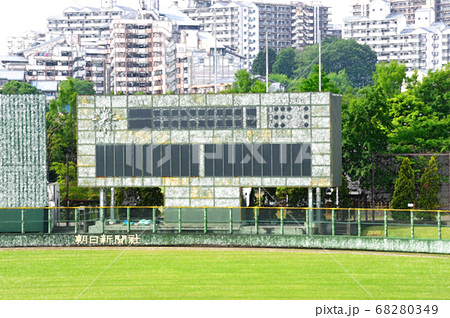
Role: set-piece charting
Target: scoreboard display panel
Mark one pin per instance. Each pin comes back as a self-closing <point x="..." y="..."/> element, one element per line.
<point x="203" y="148"/>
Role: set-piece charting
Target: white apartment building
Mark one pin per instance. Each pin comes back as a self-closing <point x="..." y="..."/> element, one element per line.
<point x="19" y="43"/>
<point x="423" y="46"/>
<point x="196" y="63"/>
<point x="234" y="24"/>
<point x="89" y="23"/>
<point x="243" y="26"/>
<point x="408" y="8"/>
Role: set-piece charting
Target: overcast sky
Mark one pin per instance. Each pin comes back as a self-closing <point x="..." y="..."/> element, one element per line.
<point x="19" y="16"/>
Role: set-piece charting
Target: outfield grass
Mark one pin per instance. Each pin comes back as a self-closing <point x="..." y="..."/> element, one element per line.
<point x="168" y="273"/>
<point x="425" y="232"/>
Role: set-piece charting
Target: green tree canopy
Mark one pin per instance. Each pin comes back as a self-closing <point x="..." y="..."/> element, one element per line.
<point x="421" y="114"/>
<point x="61" y="119"/>
<point x="365" y="124"/>
<point x="404" y="191"/>
<point x="18" y="88"/>
<point x="285" y="62"/>
<point x="339" y="54"/>
<point x="259" y="63"/>
<point x="311" y="84"/>
<point x="245" y="83"/>
<point x="390" y="77"/>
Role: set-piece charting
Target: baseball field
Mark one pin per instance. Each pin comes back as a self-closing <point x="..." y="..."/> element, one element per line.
<point x="220" y="273"/>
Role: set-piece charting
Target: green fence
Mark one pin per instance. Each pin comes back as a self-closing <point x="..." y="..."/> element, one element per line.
<point x="233" y="220"/>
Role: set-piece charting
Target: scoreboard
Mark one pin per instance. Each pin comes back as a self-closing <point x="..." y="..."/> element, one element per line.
<point x="203" y="148"/>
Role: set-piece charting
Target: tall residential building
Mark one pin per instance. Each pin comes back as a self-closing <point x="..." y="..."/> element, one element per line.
<point x="243" y="26"/>
<point x="361" y="8"/>
<point x="166" y="51"/>
<point x="275" y="20"/>
<point x="310" y="24"/>
<point x="234" y="24"/>
<point x="90" y="24"/>
<point x="142" y="54"/>
<point x="443" y="11"/>
<point x="424" y="46"/>
<point x="406" y="7"/>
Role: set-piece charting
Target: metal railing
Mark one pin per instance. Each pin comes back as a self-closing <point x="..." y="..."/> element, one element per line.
<point x="233" y="220"/>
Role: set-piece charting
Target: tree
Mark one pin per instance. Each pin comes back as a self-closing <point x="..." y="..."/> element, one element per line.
<point x="280" y="78"/>
<point x="61" y="121"/>
<point x="311" y="84"/>
<point x="341" y="81"/>
<point x="390" y="77"/>
<point x="259" y="63"/>
<point x="420" y="115"/>
<point x="339" y="54"/>
<point x="17" y="88"/>
<point x="416" y="127"/>
<point x="285" y="62"/>
<point x="429" y="188"/>
<point x="75" y="193"/>
<point x="245" y="83"/>
<point x="404" y="191"/>
<point x="365" y="125"/>
<point x="434" y="90"/>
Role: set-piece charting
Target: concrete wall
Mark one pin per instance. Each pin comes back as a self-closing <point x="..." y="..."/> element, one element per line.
<point x="23" y="177"/>
<point x="275" y="241"/>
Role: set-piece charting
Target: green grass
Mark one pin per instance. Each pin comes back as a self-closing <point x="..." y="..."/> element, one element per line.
<point x="400" y="231"/>
<point x="169" y="273"/>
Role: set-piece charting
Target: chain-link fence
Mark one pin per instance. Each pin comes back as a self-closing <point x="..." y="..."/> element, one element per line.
<point x="234" y="220"/>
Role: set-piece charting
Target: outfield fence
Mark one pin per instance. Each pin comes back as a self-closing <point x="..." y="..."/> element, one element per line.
<point x="227" y="221"/>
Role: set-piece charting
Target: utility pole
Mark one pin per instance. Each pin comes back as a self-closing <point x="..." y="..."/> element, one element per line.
<point x="267" y="64"/>
<point x="215" y="52"/>
<point x="319" y="40"/>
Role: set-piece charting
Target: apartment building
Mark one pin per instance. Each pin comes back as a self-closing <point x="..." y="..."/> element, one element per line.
<point x="408" y="8"/>
<point x="275" y="20"/>
<point x="165" y="51"/>
<point x="142" y="54"/>
<point x="244" y="26"/>
<point x="19" y="43"/>
<point x="89" y="23"/>
<point x="200" y="69"/>
<point x="423" y="46"/>
<point x="234" y="24"/>
<point x="443" y="11"/>
<point x="311" y="23"/>
<point x="361" y="8"/>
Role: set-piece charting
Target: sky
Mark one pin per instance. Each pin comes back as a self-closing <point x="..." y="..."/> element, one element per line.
<point x="19" y="16"/>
